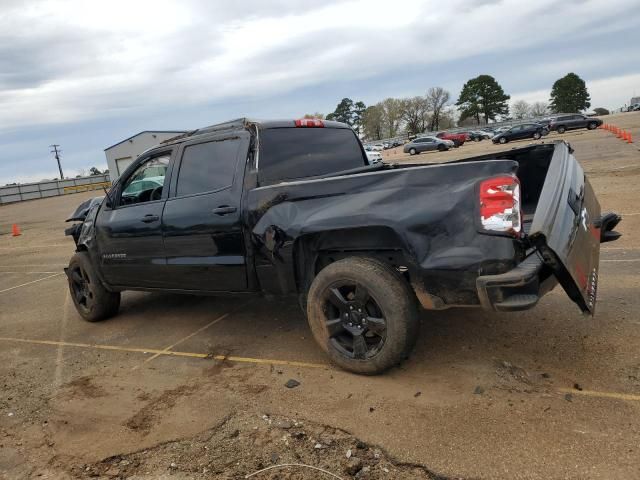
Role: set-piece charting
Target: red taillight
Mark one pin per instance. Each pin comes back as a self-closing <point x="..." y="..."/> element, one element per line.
<point x="500" y="205"/>
<point x="309" y="122"/>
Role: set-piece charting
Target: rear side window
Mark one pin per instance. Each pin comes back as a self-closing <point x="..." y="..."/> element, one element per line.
<point x="292" y="153"/>
<point x="206" y="167"/>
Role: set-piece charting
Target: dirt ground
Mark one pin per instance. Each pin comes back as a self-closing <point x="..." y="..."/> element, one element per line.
<point x="191" y="388"/>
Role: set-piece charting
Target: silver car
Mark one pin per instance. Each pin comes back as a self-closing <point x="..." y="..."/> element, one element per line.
<point x="426" y="144"/>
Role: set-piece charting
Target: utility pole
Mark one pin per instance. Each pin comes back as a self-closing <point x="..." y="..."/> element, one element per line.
<point x="57" y="155"/>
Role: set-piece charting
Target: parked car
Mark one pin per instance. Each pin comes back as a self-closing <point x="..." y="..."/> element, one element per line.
<point x="458" y="139"/>
<point x="427" y="144"/>
<point x="520" y="132"/>
<point x="301" y="212"/>
<point x="634" y="107"/>
<point x="473" y="135"/>
<point x="562" y="123"/>
<point x="373" y="157"/>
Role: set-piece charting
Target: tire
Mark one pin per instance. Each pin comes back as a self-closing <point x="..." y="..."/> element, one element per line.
<point x="561" y="129"/>
<point x="93" y="302"/>
<point x="412" y="151"/>
<point x="503" y="140"/>
<point x="592" y="126"/>
<point x="537" y="136"/>
<point x="477" y="139"/>
<point x="442" y="148"/>
<point x="345" y="298"/>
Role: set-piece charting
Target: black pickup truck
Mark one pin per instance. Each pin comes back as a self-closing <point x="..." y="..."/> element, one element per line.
<point x="293" y="207"/>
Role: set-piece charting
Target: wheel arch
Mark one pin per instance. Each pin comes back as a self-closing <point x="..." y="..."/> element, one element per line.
<point x="313" y="252"/>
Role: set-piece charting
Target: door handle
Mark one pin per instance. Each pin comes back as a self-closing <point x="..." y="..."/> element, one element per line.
<point x="224" y="209"/>
<point x="150" y="218"/>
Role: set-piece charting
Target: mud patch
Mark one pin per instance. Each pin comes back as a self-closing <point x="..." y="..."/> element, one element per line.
<point x="143" y="421"/>
<point x="83" y="387"/>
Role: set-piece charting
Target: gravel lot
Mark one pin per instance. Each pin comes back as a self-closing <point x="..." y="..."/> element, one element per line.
<point x="190" y="387"/>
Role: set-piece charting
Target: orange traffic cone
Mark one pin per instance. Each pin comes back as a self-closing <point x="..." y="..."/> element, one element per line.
<point x="15" y="230"/>
<point x="629" y="140"/>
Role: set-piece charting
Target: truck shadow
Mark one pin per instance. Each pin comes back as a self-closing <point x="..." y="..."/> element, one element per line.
<point x="551" y="337"/>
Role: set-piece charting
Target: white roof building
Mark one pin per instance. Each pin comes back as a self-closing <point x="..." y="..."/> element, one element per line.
<point x="123" y="153"/>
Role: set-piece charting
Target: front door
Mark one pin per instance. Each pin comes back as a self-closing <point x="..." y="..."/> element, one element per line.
<point x="129" y="232"/>
<point x="202" y="227"/>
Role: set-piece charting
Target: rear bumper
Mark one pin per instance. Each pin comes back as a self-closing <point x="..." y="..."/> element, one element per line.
<point x="517" y="289"/>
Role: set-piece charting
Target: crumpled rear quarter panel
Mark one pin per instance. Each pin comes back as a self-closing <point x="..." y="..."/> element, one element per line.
<point x="431" y="210"/>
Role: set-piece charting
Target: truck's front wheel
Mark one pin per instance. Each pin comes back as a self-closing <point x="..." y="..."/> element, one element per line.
<point x="93" y="302"/>
<point x="363" y="314"/>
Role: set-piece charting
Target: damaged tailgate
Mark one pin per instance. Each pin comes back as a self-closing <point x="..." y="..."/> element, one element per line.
<point x="566" y="228"/>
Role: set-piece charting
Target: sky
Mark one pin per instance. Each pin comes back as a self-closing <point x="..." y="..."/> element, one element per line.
<point x="87" y="74"/>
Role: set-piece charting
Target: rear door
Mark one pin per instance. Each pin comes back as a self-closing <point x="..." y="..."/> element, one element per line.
<point x="565" y="228"/>
<point x="516" y="133"/>
<point x="201" y="224"/>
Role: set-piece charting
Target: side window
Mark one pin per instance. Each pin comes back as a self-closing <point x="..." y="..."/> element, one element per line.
<point x="146" y="182"/>
<point x="206" y="167"/>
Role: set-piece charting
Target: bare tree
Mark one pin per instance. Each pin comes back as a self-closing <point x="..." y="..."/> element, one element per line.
<point x="539" y="109"/>
<point x="447" y="119"/>
<point x="520" y="109"/>
<point x="392" y="108"/>
<point x="415" y="113"/>
<point x="437" y="98"/>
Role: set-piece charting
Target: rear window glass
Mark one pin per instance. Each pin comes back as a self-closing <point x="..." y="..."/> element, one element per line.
<point x="291" y="153"/>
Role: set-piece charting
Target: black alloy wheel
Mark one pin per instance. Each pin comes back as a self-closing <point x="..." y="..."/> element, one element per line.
<point x="81" y="287"/>
<point x="92" y="300"/>
<point x="355" y="323"/>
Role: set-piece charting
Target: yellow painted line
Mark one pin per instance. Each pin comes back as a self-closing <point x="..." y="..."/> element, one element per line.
<point x="86" y="187"/>
<point x="593" y="393"/>
<point x="33" y="281"/>
<point x="28" y="247"/>
<point x="625" y="260"/>
<point x="167" y="349"/>
<point x="201" y="329"/>
<point x="28" y="273"/>
<point x="36" y="265"/>
<point x="171" y="353"/>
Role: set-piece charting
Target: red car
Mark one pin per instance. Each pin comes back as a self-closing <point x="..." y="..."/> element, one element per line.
<point x="457" y="138"/>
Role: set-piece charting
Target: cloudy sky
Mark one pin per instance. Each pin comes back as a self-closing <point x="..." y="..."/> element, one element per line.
<point x="87" y="74"/>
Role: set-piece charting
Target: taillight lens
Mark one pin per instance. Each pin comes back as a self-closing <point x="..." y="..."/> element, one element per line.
<point x="500" y="205"/>
<point x="309" y="122"/>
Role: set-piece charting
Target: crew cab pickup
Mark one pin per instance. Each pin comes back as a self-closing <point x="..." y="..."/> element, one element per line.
<point x="294" y="208"/>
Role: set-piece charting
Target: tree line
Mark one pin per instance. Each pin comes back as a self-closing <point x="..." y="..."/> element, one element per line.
<point x="481" y="100"/>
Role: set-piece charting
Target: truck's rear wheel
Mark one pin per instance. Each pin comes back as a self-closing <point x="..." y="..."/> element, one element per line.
<point x="93" y="302"/>
<point x="363" y="314"/>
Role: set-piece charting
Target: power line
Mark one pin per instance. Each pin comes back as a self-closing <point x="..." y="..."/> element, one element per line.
<point x="57" y="155"/>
